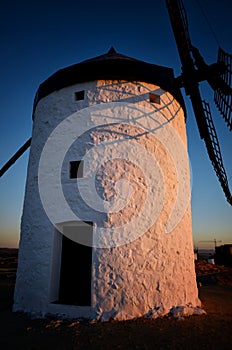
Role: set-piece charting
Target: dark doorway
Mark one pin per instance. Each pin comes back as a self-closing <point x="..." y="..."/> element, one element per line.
<point x="76" y="267"/>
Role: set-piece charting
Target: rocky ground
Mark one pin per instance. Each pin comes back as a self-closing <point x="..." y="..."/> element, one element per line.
<point x="210" y="331"/>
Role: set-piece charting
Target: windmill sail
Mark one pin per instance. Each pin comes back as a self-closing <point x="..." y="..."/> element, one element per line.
<point x="214" y="152"/>
<point x="195" y="70"/>
<point x="208" y="134"/>
<point x="223" y="100"/>
<point x="16" y="156"/>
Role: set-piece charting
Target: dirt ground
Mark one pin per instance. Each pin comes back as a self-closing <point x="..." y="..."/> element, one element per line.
<point x="210" y="331"/>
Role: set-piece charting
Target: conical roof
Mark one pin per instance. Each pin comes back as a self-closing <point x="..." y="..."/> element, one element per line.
<point x="110" y="66"/>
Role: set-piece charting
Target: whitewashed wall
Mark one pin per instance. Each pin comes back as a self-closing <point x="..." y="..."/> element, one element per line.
<point x="148" y="276"/>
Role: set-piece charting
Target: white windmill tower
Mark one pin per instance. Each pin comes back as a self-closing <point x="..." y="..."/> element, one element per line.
<point x="106" y="229"/>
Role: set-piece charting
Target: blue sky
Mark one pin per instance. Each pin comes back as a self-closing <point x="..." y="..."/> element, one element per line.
<point x="40" y="37"/>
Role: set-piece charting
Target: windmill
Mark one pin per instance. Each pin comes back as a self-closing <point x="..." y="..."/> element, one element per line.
<point x="109" y="285"/>
<point x="194" y="71"/>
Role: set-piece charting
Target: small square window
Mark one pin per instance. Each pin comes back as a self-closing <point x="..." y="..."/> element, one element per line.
<point x="79" y="95"/>
<point x="76" y="169"/>
<point x="154" y="98"/>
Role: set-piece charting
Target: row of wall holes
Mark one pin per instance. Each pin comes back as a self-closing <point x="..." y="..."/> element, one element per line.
<point x="153" y="98"/>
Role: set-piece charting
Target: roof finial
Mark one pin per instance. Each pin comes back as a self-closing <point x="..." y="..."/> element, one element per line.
<point x="112" y="51"/>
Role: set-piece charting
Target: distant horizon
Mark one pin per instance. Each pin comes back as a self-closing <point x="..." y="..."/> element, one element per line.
<point x="199" y="249"/>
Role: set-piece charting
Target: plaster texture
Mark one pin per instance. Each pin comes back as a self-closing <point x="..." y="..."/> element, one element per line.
<point x="147" y="274"/>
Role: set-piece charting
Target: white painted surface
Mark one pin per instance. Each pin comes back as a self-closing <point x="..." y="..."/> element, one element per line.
<point x="148" y="276"/>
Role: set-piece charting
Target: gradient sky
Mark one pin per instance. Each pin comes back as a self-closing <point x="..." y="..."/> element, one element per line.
<point x="40" y="37"/>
